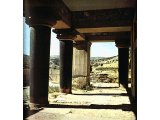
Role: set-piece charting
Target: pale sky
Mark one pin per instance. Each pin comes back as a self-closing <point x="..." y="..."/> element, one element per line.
<point x="98" y="49"/>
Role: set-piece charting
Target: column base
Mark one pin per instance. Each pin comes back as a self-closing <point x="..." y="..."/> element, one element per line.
<point x="81" y="82"/>
<point x="43" y="101"/>
<point x="67" y="91"/>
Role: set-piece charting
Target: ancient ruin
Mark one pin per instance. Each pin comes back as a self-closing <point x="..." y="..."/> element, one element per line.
<point x="77" y="23"/>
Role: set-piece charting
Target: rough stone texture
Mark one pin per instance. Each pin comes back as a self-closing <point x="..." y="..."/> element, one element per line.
<point x="80" y="82"/>
<point x="81" y="64"/>
<point x="81" y="59"/>
<point x="81" y="114"/>
<point x="104" y="102"/>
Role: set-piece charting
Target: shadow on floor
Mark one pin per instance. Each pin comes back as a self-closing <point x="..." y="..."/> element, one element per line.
<point x="105" y="87"/>
<point x="27" y="112"/>
<point x="124" y="107"/>
<point x="107" y="94"/>
<point x="132" y="101"/>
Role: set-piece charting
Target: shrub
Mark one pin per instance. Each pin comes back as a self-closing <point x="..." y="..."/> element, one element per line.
<point x="81" y="83"/>
<point x="52" y="89"/>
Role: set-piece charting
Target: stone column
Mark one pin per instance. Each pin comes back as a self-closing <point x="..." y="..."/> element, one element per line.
<point x="65" y="37"/>
<point x="39" y="63"/>
<point x="40" y="32"/>
<point x="134" y="59"/>
<point x="81" y="64"/>
<point x="123" y="58"/>
<point x="66" y="52"/>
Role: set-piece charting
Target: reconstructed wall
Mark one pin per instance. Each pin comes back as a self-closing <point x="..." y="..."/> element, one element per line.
<point x="81" y="63"/>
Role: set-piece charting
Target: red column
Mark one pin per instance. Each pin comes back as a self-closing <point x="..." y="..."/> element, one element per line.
<point x="66" y="53"/>
<point x="123" y="58"/>
<point x="39" y="63"/>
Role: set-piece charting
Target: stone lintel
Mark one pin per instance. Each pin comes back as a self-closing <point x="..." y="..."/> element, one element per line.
<point x="65" y="31"/>
<point x="102" y="18"/>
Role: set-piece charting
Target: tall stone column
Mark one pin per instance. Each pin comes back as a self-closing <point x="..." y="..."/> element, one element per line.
<point x="66" y="53"/>
<point x="134" y="59"/>
<point x="123" y="58"/>
<point x="65" y="37"/>
<point x="39" y="63"/>
<point x="81" y="64"/>
<point x="40" y="33"/>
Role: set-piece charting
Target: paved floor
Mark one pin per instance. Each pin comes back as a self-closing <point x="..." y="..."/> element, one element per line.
<point x="105" y="102"/>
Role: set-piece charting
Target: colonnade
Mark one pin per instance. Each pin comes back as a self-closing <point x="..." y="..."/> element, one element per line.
<point x="73" y="56"/>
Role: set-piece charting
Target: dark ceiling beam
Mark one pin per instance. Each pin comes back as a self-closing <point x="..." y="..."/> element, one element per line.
<point x="110" y="34"/>
<point x="107" y="36"/>
<point x="65" y="31"/>
<point x="103" y="18"/>
<point x="91" y="38"/>
<point x="83" y="5"/>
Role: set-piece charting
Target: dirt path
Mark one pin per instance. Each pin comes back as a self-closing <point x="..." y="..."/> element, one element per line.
<point x="105" y="102"/>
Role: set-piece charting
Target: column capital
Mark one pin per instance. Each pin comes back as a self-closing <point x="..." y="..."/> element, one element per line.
<point x="53" y="13"/>
<point x="82" y="43"/>
<point x="65" y="34"/>
<point x="40" y="16"/>
<point x="122" y="43"/>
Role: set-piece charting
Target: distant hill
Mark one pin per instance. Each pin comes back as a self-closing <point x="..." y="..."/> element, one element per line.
<point x="55" y="60"/>
<point x="104" y="59"/>
<point x="96" y="58"/>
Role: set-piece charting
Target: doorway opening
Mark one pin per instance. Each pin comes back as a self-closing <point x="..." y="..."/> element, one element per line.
<point x="104" y="64"/>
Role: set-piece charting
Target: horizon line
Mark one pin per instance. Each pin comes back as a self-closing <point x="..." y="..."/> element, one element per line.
<point x="90" y="56"/>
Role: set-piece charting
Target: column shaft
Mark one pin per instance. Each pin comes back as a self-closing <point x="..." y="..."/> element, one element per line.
<point x="81" y="64"/>
<point x="123" y="66"/>
<point x="39" y="63"/>
<point x="66" y="53"/>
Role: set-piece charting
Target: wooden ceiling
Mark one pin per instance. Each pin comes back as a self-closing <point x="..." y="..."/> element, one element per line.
<point x="84" y="5"/>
